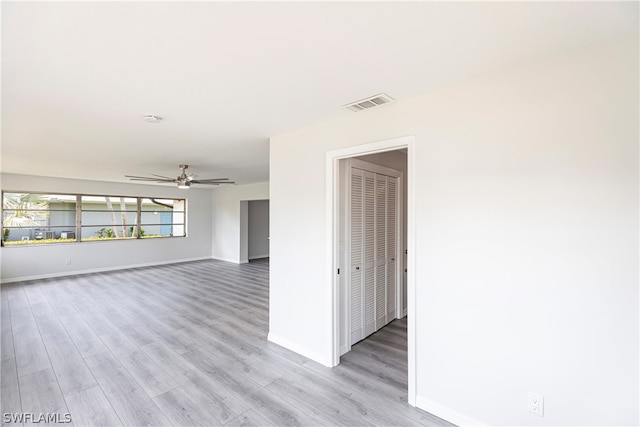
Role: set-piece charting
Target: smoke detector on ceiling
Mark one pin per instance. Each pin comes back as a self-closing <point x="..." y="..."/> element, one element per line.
<point x="372" y="101"/>
<point x="150" y="118"/>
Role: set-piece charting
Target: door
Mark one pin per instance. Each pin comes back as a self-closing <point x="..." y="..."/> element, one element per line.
<point x="357" y="256"/>
<point x="381" y="250"/>
<point x="374" y="235"/>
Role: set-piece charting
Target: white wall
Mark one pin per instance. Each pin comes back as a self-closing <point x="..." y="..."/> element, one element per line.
<point x="526" y="217"/>
<point x="23" y="262"/>
<point x="258" y="229"/>
<point x="230" y="238"/>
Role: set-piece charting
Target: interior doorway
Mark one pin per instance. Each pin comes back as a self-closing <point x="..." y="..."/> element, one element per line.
<point x="258" y="229"/>
<point x="381" y="152"/>
<point x="372" y="238"/>
<point x="254" y="230"/>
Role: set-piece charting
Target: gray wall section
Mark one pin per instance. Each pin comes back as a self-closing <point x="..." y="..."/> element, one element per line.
<point x="258" y="229"/>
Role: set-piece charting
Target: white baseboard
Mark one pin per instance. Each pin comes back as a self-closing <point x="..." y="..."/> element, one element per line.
<point x="446" y="413"/>
<point x="235" y="261"/>
<point x="240" y="261"/>
<point x="96" y="270"/>
<point x="316" y="357"/>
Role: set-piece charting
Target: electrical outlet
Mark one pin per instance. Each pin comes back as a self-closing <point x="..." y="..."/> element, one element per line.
<point x="536" y="404"/>
<point x="67" y="261"/>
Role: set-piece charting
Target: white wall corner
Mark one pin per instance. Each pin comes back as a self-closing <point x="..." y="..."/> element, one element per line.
<point x="316" y="357"/>
<point x="446" y="413"/>
<point x="344" y="349"/>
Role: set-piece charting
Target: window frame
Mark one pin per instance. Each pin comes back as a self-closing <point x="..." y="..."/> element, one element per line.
<point x="79" y="226"/>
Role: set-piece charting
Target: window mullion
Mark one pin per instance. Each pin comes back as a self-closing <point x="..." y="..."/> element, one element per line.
<point x="139" y="218"/>
<point x="78" y="218"/>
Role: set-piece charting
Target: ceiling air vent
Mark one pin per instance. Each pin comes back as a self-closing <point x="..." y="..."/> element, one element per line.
<point x="370" y="102"/>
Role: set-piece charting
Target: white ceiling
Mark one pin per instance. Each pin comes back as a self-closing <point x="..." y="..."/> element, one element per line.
<point x="78" y="77"/>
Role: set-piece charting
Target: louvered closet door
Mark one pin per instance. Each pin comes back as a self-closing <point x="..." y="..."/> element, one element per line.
<point x="373" y="243"/>
<point x="357" y="255"/>
<point x="381" y="250"/>
<point x="369" y="253"/>
<point x="392" y="246"/>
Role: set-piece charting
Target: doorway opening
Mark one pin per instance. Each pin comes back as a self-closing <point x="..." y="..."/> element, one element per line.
<point x="391" y="174"/>
<point x="254" y="230"/>
<point x="372" y="245"/>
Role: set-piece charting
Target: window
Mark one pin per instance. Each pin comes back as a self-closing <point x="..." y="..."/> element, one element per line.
<point x="36" y="218"/>
<point x="162" y="217"/>
<point x="108" y="217"/>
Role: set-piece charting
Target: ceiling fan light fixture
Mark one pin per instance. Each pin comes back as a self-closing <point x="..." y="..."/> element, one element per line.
<point x="183" y="180"/>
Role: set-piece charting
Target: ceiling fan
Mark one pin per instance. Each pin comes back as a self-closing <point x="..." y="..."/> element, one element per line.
<point x="183" y="180"/>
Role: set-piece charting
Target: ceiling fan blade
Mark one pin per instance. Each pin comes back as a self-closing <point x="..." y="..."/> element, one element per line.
<point x="213" y="182"/>
<point x="160" y="176"/>
<point x="139" y="177"/>
<point x="152" y="179"/>
<point x="210" y="180"/>
<point x="192" y="177"/>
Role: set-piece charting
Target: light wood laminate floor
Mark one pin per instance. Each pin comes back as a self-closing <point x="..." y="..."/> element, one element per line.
<point x="184" y="344"/>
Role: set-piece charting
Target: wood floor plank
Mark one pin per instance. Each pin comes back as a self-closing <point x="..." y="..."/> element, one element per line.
<point x="40" y="394"/>
<point x="99" y="323"/>
<point x="69" y="366"/>
<point x="316" y="404"/>
<point x="241" y="365"/>
<point x="119" y="343"/>
<point x="111" y="376"/>
<point x="72" y="372"/>
<point x="31" y="354"/>
<point x="187" y="408"/>
<point x="6" y="351"/>
<point x="224" y="406"/>
<point x="151" y="377"/>
<point x="249" y="419"/>
<point x="91" y="407"/>
<point x="178" y="339"/>
<point x="10" y="390"/>
<point x="365" y="363"/>
<point x="132" y="405"/>
<point x="34" y="293"/>
<point x="53" y="290"/>
<point x="17" y="297"/>
<point x="271" y="407"/>
<point x="85" y="339"/>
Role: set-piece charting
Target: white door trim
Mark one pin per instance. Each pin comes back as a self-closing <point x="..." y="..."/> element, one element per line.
<point x="332" y="248"/>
